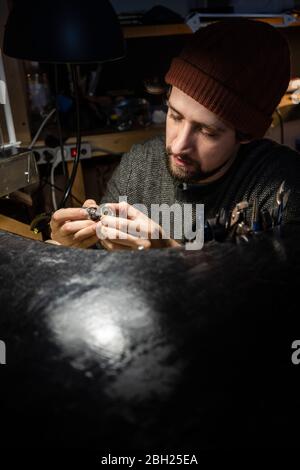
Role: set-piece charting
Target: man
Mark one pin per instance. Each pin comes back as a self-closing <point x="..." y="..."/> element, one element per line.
<point x="225" y="86"/>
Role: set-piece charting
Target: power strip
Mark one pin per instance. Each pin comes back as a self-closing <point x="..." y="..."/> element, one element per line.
<point x="45" y="155"/>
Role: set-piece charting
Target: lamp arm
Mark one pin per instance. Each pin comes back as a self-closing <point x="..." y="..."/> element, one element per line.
<point x="7" y="109"/>
<point x="71" y="180"/>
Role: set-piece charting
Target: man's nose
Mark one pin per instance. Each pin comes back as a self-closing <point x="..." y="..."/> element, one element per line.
<point x="183" y="141"/>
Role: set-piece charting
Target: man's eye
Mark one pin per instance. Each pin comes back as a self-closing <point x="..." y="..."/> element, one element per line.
<point x="211" y="136"/>
<point x="208" y="134"/>
<point x="175" y="118"/>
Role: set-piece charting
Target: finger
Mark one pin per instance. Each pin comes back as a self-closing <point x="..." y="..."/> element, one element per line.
<point x="118" y="223"/>
<point x="124" y="210"/>
<point x="89" y="203"/>
<point x="113" y="246"/>
<point x="85" y="232"/>
<point x="140" y="228"/>
<point x="62" y="215"/>
<point x="122" y="238"/>
<point x="87" y="243"/>
<point x="52" y="242"/>
<point x="71" y="227"/>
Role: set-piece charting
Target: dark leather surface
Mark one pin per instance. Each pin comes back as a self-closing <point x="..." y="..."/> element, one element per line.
<point x="162" y="349"/>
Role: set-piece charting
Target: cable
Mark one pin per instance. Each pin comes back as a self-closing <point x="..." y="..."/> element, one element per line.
<point x="62" y="190"/>
<point x="41" y="127"/>
<point x="45" y="182"/>
<point x="53" y="195"/>
<point x="1" y="140"/>
<point x="281" y="125"/>
<point x="58" y="121"/>
<point x="78" y="139"/>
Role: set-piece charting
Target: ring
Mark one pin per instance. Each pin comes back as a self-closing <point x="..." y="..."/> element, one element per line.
<point x="92" y="213"/>
<point x="96" y="212"/>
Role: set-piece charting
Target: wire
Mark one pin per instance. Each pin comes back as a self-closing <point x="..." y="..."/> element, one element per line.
<point x="281" y="125"/>
<point x="53" y="195"/>
<point x="1" y="140"/>
<point x="78" y="139"/>
<point x="46" y="182"/>
<point x="59" y="121"/>
<point x="41" y="127"/>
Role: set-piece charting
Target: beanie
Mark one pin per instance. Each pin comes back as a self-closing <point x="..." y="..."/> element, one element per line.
<point x="238" y="68"/>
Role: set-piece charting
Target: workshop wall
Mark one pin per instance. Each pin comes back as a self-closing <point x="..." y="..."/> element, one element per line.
<point x="179" y="6"/>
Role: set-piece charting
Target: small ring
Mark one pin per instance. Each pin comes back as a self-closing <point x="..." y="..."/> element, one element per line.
<point x="92" y="213"/>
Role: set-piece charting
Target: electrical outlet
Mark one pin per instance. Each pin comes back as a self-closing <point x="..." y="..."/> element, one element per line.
<point x="45" y="155"/>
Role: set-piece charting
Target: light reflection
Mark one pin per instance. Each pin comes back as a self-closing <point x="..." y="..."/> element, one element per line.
<point x="119" y="333"/>
<point x="108" y="337"/>
<point x="97" y="324"/>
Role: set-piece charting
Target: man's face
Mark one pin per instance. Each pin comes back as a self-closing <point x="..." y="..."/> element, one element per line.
<point x="199" y="146"/>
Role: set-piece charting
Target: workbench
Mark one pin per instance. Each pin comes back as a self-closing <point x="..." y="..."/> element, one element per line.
<point x="161" y="349"/>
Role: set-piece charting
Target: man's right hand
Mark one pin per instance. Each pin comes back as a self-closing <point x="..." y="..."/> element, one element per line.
<point x="72" y="227"/>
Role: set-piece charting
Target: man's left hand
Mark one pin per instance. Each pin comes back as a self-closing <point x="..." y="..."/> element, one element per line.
<point x="130" y="229"/>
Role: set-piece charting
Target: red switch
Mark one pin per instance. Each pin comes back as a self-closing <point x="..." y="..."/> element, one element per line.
<point x="73" y="152"/>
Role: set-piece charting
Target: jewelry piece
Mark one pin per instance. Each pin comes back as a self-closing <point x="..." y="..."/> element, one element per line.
<point x="96" y="212"/>
<point x="141" y="247"/>
<point x="93" y="213"/>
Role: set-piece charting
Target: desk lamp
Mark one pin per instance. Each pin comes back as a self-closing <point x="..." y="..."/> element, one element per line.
<point x="64" y="31"/>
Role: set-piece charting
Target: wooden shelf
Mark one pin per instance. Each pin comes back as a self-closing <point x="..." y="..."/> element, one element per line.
<point x="278" y="22"/>
<point x="181" y="28"/>
<point x="155" y="30"/>
<point x="118" y="142"/>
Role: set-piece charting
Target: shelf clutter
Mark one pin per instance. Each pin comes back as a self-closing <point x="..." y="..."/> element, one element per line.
<point x="140" y="31"/>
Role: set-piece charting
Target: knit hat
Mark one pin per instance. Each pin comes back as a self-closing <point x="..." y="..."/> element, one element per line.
<point x="238" y="69"/>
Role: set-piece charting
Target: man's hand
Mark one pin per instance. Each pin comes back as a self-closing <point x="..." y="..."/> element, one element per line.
<point x="71" y="227"/>
<point x="130" y="229"/>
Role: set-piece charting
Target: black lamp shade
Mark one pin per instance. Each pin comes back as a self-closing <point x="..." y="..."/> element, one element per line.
<point x="60" y="31"/>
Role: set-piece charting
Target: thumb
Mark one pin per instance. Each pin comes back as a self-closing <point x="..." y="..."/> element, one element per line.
<point x="90" y="203"/>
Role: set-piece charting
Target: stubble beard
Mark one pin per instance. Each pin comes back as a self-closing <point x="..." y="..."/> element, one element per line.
<point x="192" y="175"/>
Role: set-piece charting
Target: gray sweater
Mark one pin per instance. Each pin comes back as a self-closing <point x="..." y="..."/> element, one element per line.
<point x="257" y="172"/>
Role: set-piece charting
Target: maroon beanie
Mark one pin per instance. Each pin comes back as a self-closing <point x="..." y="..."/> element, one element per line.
<point x="238" y="69"/>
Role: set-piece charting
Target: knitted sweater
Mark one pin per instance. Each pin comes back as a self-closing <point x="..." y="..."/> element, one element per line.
<point x="257" y="172"/>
